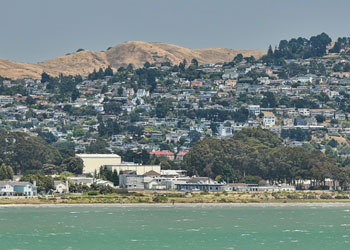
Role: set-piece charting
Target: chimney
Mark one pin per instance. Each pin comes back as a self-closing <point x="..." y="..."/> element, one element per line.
<point x="34" y="183"/>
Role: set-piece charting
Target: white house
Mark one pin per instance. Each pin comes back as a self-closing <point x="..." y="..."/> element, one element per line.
<point x="61" y="187"/>
<point x="269" y="119"/>
<point x="254" y="109"/>
<point x="304" y="111"/>
<point x="6" y="189"/>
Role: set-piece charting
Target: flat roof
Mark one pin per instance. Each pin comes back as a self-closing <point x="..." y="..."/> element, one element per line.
<point x="98" y="155"/>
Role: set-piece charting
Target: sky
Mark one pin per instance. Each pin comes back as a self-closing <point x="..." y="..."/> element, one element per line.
<point x="37" y="30"/>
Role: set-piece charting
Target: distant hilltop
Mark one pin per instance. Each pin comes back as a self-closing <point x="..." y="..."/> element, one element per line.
<point x="137" y="53"/>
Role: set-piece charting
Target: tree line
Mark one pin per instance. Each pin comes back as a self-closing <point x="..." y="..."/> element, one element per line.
<point x="256" y="152"/>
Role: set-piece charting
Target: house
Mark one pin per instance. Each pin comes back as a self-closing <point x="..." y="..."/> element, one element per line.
<point x="10" y="188"/>
<point x="81" y="180"/>
<point x="180" y="155"/>
<point x="5" y="99"/>
<point x="61" y="187"/>
<point x="197" y="83"/>
<point x="269" y="119"/>
<point x="224" y="131"/>
<point x="300" y="122"/>
<point x="24" y="188"/>
<point x="173" y="137"/>
<point x="104" y="183"/>
<point x="6" y="189"/>
<point x="254" y="109"/>
<point x="164" y="153"/>
<point x="304" y="111"/>
<point x="142" y="93"/>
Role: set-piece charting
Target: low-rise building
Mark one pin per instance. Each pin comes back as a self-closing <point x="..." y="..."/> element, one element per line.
<point x="130" y="166"/>
<point x="61" y="187"/>
<point x="10" y="188"/>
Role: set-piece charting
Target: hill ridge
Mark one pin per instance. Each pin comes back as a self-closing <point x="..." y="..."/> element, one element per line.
<point x="134" y="52"/>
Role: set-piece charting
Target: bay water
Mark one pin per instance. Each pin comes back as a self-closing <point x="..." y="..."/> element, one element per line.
<point x="176" y="227"/>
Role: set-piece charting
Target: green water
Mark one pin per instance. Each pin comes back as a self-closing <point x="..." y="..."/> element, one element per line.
<point x="197" y="227"/>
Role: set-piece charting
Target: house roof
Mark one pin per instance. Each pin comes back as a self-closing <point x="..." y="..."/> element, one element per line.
<point x="182" y="153"/>
<point x="98" y="155"/>
<point x="164" y="152"/>
<point x="151" y="173"/>
<point x="268" y="114"/>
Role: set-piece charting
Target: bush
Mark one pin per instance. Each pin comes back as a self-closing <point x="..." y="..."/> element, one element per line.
<point x="292" y="196"/>
<point x="160" y="199"/>
<point x="205" y="192"/>
<point x="92" y="193"/>
<point x="311" y="196"/>
<point x="326" y="196"/>
<point x="341" y="197"/>
<point x="137" y="194"/>
<point x="122" y="191"/>
<point x="176" y="195"/>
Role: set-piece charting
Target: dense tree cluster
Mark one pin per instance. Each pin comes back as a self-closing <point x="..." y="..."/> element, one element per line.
<point x="100" y="74"/>
<point x="6" y="172"/>
<point x="297" y="134"/>
<point x="340" y="44"/>
<point x="29" y="154"/>
<point x="217" y="115"/>
<point x="300" y="48"/>
<point x="109" y="175"/>
<point x="258" y="152"/>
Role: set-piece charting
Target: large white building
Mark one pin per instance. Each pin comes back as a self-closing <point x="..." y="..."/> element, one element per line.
<point x="93" y="162"/>
<point x="138" y="168"/>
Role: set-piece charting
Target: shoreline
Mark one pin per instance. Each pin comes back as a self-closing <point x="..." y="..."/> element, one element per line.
<point x="169" y="205"/>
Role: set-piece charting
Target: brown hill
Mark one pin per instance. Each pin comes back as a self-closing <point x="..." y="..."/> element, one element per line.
<point x="136" y="53"/>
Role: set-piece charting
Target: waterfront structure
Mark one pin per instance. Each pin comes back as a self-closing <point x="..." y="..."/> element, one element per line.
<point x="243" y="187"/>
<point x="10" y="188"/>
<point x="130" y="180"/>
<point x="88" y="181"/>
<point x="25" y="188"/>
<point x="61" y="187"/>
<point x="152" y="180"/>
<point x="93" y="162"/>
<point x="130" y="166"/>
<point x="6" y="189"/>
<point x="210" y="187"/>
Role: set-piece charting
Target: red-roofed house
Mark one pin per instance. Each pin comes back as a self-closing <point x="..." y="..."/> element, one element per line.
<point x="180" y="156"/>
<point x="164" y="153"/>
<point x="197" y="83"/>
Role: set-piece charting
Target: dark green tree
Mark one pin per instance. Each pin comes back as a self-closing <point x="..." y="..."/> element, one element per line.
<point x="73" y="164"/>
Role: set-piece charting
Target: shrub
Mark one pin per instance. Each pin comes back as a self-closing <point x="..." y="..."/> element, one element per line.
<point x="292" y="196"/>
<point x="92" y="193"/>
<point x="341" y="197"/>
<point x="122" y="191"/>
<point x="159" y="199"/>
<point x="310" y="196"/>
<point x="326" y="196"/>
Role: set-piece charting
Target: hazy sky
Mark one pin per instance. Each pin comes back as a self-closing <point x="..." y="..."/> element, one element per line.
<point x="36" y="30"/>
